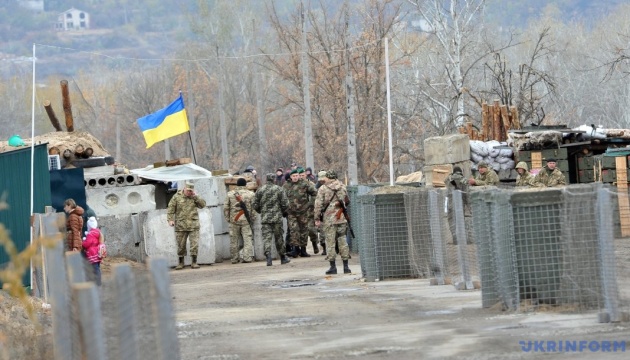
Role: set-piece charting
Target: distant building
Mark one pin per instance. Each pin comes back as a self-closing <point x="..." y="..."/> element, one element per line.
<point x="35" y="5"/>
<point x="73" y="19"/>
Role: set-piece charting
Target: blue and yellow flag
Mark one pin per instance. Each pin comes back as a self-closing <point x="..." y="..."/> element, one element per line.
<point x="164" y="123"/>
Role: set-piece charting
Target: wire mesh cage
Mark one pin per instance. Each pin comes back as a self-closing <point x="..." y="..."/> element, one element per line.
<point x="547" y="248"/>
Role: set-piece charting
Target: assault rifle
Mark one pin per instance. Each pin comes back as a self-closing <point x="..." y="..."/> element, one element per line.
<point x="344" y="210"/>
<point x="245" y="212"/>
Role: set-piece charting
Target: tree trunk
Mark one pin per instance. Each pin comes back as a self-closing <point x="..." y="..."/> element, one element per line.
<point x="353" y="173"/>
<point x="67" y="106"/>
<point x="51" y="115"/>
<point x="306" y="84"/>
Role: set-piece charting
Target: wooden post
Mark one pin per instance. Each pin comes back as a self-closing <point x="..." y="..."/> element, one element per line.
<point x="90" y="320"/>
<point x="67" y="154"/>
<point x="51" y="115"/>
<point x="67" y="106"/>
<point x="124" y="298"/>
<point x="505" y="119"/>
<point x="496" y="121"/>
<point x="622" y="195"/>
<point x="88" y="152"/>
<point x="59" y="301"/>
<point x="469" y="129"/>
<point x="78" y="151"/>
<point x="485" y="122"/>
<point x="516" y="122"/>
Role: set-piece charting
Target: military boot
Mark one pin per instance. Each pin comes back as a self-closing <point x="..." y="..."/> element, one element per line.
<point x="284" y="259"/>
<point x="315" y="248"/>
<point x="332" y="270"/>
<point x="194" y="262"/>
<point x="269" y="259"/>
<point x="181" y="263"/>
<point x="303" y="252"/>
<point x="346" y="269"/>
<point x="295" y="252"/>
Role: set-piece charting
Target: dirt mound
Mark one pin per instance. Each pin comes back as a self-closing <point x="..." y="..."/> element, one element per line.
<point x="63" y="140"/>
<point x="20" y="337"/>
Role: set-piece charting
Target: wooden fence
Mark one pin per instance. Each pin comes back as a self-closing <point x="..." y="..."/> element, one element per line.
<point x="129" y="317"/>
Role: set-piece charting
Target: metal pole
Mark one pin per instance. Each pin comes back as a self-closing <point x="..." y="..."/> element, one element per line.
<point x="389" y="115"/>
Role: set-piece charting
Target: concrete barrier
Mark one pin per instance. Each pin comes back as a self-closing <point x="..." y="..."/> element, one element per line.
<point x="159" y="238"/>
<point x="106" y="201"/>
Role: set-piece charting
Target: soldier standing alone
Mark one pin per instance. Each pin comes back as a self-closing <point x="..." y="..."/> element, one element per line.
<point x="182" y="214"/>
<point x="272" y="204"/>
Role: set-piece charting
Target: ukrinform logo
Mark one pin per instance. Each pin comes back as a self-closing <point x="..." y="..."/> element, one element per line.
<point x="572" y="346"/>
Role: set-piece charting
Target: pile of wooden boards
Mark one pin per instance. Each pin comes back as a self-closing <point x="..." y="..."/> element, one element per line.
<point x="496" y="121"/>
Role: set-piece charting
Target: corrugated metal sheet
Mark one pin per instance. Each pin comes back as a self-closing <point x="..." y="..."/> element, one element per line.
<point x="15" y="187"/>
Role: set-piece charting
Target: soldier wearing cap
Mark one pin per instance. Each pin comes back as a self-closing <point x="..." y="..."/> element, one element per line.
<point x="298" y="192"/>
<point x="329" y="204"/>
<point x="182" y="214"/>
<point x="485" y="176"/>
<point x="272" y="204"/>
<point x="240" y="227"/>
<point x="550" y="176"/>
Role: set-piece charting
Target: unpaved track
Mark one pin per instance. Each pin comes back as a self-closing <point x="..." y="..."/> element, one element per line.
<point x="294" y="311"/>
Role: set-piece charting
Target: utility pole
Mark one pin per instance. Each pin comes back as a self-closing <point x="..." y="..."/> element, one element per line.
<point x="224" y="148"/>
<point x="262" y="138"/>
<point x="353" y="176"/>
<point x="308" y="129"/>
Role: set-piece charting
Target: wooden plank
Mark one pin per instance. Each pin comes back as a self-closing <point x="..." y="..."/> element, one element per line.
<point x="167" y="341"/>
<point x="536" y="160"/>
<point x="516" y="121"/>
<point x="180" y="161"/>
<point x="485" y="122"/>
<point x="90" y="321"/>
<point x="124" y="297"/>
<point x="622" y="194"/>
<point x="505" y="119"/>
<point x="496" y="121"/>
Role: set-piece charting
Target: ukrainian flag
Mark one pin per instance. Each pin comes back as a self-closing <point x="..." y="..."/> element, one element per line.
<point x="164" y="123"/>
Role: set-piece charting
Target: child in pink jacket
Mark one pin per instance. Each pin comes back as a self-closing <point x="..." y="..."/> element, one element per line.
<point x="91" y="246"/>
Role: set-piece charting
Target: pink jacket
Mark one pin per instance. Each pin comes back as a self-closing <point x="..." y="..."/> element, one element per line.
<point x="90" y="245"/>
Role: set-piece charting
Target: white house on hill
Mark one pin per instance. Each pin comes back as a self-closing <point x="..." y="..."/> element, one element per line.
<point x="73" y="19"/>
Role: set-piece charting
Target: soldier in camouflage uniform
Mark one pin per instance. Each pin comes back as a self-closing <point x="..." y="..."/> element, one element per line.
<point x="322" y="236"/>
<point x="298" y="192"/>
<point x="329" y="204"/>
<point x="312" y="229"/>
<point x="550" y="176"/>
<point x="272" y="204"/>
<point x="524" y="177"/>
<point x="182" y="214"/>
<point x="485" y="176"/>
<point x="239" y="226"/>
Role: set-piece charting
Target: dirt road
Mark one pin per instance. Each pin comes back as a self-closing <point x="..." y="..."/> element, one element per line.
<point x="294" y="311"/>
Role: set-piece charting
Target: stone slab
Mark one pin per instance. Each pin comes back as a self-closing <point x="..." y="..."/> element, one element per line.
<point x="121" y="200"/>
<point x="448" y="149"/>
<point x="219" y="223"/>
<point x="159" y="238"/>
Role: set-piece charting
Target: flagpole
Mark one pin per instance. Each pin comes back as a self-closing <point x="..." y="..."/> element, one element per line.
<point x="33" y="163"/>
<point x="192" y="147"/>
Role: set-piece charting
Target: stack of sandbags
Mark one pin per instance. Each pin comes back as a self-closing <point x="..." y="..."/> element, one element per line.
<point x="498" y="155"/>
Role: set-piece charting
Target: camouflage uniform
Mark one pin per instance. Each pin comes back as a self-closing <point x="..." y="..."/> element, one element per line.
<point x="526" y="179"/>
<point x="240" y="227"/>
<point x="334" y="223"/>
<point x="271" y="203"/>
<point x="547" y="177"/>
<point x="183" y="211"/>
<point x="490" y="177"/>
<point x="298" y="194"/>
<point x="310" y="215"/>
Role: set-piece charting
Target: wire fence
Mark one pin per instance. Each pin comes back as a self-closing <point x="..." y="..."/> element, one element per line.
<point x="130" y="316"/>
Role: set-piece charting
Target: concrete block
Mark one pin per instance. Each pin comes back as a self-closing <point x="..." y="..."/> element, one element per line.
<point x="98" y="172"/>
<point x="446" y="149"/>
<point x="221" y="226"/>
<point x="159" y="238"/>
<point x="211" y="190"/>
<point x="222" y="247"/>
<point x="121" y="200"/>
<point x="120" y="237"/>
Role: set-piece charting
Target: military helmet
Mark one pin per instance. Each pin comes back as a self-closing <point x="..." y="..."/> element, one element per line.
<point x="331" y="174"/>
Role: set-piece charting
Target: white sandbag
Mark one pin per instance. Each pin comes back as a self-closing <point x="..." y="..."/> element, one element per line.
<point x="507" y="153"/>
<point x="476" y="158"/>
<point x="495" y="166"/>
<point x="492" y="152"/>
<point x="502" y="160"/>
<point x="508" y="165"/>
<point x="478" y="147"/>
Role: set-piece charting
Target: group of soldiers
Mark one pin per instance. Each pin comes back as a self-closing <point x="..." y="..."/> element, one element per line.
<point x="315" y="210"/>
<point x="548" y="176"/>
